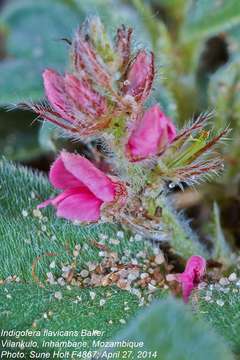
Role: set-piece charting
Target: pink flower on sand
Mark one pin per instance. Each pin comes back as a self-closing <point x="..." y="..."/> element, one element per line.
<point x="150" y="134"/>
<point x="140" y="76"/>
<point x="85" y="188"/>
<point x="192" y="275"/>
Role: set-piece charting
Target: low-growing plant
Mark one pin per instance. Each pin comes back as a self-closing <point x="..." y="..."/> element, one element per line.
<point x="103" y="231"/>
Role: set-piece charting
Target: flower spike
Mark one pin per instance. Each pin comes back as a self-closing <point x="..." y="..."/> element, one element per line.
<point x="103" y="95"/>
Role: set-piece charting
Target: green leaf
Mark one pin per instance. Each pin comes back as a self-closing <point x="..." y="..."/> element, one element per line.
<point x="30" y="241"/>
<point x="34" y="43"/>
<point x="233" y="36"/>
<point x="25" y="234"/>
<point x="222" y="250"/>
<point x="173" y="12"/>
<point x="165" y="83"/>
<point x="206" y="18"/>
<point x="166" y="100"/>
<point x="35" y="29"/>
<point x="13" y="88"/>
<point x="224" y="94"/>
<point x="18" y="136"/>
<point x="29" y="307"/>
<point x="181" y="237"/>
<point x="168" y="329"/>
<point x="48" y="135"/>
<point x="150" y="22"/>
<point x="224" y="97"/>
<point x="220" y="306"/>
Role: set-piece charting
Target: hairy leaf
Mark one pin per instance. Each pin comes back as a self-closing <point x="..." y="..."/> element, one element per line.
<point x="29" y="307"/>
<point x="26" y="234"/>
<point x="206" y="18"/>
<point x="19" y="137"/>
<point x="181" y="237"/>
<point x="33" y="43"/>
<point x="219" y="305"/>
<point x="168" y="328"/>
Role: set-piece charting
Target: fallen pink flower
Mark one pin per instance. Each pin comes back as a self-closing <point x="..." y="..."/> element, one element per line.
<point x="85" y="188"/>
<point x="140" y="76"/>
<point x="150" y="134"/>
<point x="191" y="277"/>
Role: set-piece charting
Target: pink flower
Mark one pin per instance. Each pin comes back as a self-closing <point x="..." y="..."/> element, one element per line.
<point x="74" y="103"/>
<point x="140" y="76"/>
<point x="85" y="188"/>
<point x="69" y="94"/>
<point x="192" y="275"/>
<point x="150" y="134"/>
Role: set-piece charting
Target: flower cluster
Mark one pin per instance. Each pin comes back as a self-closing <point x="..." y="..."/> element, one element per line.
<point x="103" y="94"/>
<point x="105" y="81"/>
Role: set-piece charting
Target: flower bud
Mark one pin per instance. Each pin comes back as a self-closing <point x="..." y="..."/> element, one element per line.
<point x="123" y="45"/>
<point x="94" y="30"/>
<point x="140" y="76"/>
<point x="87" y="60"/>
<point x="54" y="86"/>
<point x="150" y="135"/>
<point x="74" y="101"/>
<point x="86" y="99"/>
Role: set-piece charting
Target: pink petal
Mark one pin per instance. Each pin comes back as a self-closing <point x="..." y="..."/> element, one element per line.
<point x="44" y="204"/>
<point x="140" y="76"/>
<point x="195" y="268"/>
<point x="171" y="131"/>
<point x="57" y="199"/>
<point x="82" y="207"/>
<point x="85" y="58"/>
<point x="138" y="71"/>
<point x="85" y="98"/>
<point x="56" y="94"/>
<point x="60" y="177"/>
<point x="76" y="204"/>
<point x="187" y="288"/>
<point x="123" y="44"/>
<point x="96" y="181"/>
<point x="151" y="134"/>
<point x="192" y="275"/>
